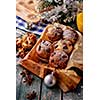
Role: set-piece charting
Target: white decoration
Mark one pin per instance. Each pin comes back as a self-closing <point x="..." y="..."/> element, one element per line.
<point x="50" y="80"/>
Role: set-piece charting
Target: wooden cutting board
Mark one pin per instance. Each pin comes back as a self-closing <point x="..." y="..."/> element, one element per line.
<point x="66" y="79"/>
<point x="25" y="10"/>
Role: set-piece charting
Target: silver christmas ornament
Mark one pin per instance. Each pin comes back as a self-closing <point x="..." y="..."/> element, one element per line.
<point x="50" y="80"/>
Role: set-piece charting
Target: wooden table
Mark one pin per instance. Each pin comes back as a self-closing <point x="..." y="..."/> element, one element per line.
<point x="44" y="93"/>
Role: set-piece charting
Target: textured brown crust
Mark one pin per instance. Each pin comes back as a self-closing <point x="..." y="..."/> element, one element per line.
<point x="54" y="33"/>
<point x="44" y="49"/>
<point x="67" y="79"/>
<point x="64" y="45"/>
<point x="58" y="59"/>
<point x="70" y="35"/>
<point x="25" y="44"/>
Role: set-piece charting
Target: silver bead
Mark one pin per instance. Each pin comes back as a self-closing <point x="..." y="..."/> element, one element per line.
<point x="50" y="80"/>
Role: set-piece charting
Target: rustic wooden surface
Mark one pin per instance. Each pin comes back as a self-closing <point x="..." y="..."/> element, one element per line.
<point x="44" y="93"/>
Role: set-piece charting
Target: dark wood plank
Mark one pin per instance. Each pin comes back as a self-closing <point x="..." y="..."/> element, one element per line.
<point x="18" y="81"/>
<point x="50" y="93"/>
<point x="77" y="94"/>
<point x="70" y="96"/>
<point x="73" y="96"/>
<point x="23" y="88"/>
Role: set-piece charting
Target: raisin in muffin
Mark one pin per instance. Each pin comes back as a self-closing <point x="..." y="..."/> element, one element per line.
<point x="54" y="33"/>
<point x="58" y="59"/>
<point x="63" y="45"/>
<point x="44" y="49"/>
<point x="70" y="35"/>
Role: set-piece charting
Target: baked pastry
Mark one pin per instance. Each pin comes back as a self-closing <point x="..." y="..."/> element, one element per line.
<point x="18" y="43"/>
<point x="54" y="33"/>
<point x="24" y="44"/>
<point x="28" y="40"/>
<point x="44" y="49"/>
<point x="22" y="52"/>
<point x="58" y="59"/>
<point x="63" y="45"/>
<point x="70" y="35"/>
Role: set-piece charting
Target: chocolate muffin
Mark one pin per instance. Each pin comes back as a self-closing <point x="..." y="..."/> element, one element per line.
<point x="70" y="35"/>
<point x="44" y="49"/>
<point x="54" y="33"/>
<point x="63" y="45"/>
<point x="58" y="59"/>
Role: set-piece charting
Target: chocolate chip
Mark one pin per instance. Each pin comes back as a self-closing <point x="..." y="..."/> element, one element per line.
<point x="39" y="48"/>
<point x="59" y="66"/>
<point x="59" y="30"/>
<point x="26" y="42"/>
<point x="53" y="53"/>
<point x="70" y="44"/>
<point x="31" y="43"/>
<point x="64" y="56"/>
<point x="56" y="46"/>
<point x="30" y="2"/>
<point x="55" y="34"/>
<point x="65" y="47"/>
<point x="52" y="60"/>
<point x="43" y="41"/>
<point x="46" y="44"/>
<point x="48" y="50"/>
